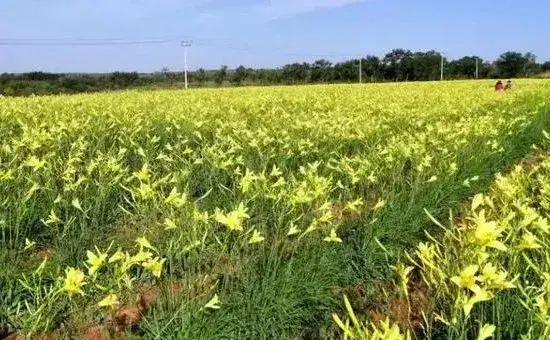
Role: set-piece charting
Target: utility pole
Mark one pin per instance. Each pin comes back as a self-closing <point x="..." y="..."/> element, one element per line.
<point x="477" y="68"/>
<point x="360" y="70"/>
<point x="185" y="44"/>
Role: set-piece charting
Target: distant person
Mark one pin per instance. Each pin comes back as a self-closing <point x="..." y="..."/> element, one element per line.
<point x="508" y="85"/>
<point x="499" y="86"/>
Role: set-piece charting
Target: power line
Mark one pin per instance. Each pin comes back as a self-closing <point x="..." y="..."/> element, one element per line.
<point x="15" y="42"/>
<point x="114" y="42"/>
<point x="253" y="50"/>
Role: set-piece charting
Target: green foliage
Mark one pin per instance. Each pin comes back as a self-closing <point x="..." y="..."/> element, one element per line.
<point x="397" y="65"/>
<point x="492" y="268"/>
<point x="262" y="204"/>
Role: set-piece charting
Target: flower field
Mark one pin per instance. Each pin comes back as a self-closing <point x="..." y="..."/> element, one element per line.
<point x="249" y="213"/>
<point x="488" y="274"/>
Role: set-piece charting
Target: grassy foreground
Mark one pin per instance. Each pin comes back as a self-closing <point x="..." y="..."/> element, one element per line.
<point x="487" y="276"/>
<point x="235" y="214"/>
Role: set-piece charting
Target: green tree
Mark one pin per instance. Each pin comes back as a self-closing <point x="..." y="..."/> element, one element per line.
<point x="201" y="76"/>
<point x="398" y="65"/>
<point x="531" y="67"/>
<point x="296" y="73"/>
<point x="371" y="68"/>
<point x="240" y="75"/>
<point x="465" y="67"/>
<point x="511" y="64"/>
<point x="425" y="66"/>
<point x="321" y="71"/>
<point x="221" y="75"/>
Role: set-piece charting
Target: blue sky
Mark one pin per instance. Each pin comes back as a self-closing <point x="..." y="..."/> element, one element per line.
<point x="262" y="33"/>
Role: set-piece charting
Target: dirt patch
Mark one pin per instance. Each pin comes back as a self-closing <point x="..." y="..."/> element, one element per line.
<point x="4" y="332"/>
<point x="34" y="337"/>
<point x="530" y="162"/>
<point x="226" y="269"/>
<point x="96" y="332"/>
<point x="44" y="253"/>
<point x="127" y="317"/>
<point x="409" y="313"/>
<point x="175" y="289"/>
<point x="148" y="295"/>
<point x="385" y="301"/>
<point x="6" y="335"/>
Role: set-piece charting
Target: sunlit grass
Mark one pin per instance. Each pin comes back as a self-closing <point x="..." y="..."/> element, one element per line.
<point x="263" y="204"/>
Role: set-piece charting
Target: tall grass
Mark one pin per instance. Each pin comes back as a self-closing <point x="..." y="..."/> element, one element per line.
<point x="244" y="194"/>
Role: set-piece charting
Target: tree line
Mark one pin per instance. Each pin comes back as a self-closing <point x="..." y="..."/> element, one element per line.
<point x="397" y="65"/>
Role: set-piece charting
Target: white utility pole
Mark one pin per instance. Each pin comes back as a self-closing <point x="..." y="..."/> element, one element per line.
<point x="185" y="44"/>
<point x="360" y="71"/>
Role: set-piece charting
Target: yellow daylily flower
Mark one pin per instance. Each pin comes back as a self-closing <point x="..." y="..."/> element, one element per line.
<point x="74" y="281"/>
<point x="95" y="261"/>
<point x="110" y="300"/>
<point x="479" y="296"/>
<point x="117" y="256"/>
<point x="293" y="230"/>
<point x="234" y="219"/>
<point x="141" y="256"/>
<point x="144" y="243"/>
<point x="256" y="237"/>
<point x="29" y="244"/>
<point x="379" y="205"/>
<point x="486" y="233"/>
<point x="432" y="179"/>
<point x="486" y="331"/>
<point x="495" y="279"/>
<point x="154" y="266"/>
<point x="467" y="278"/>
<point x="214" y="303"/>
<point x="333" y="237"/>
<point x="169" y="224"/>
<point x="529" y="241"/>
<point x="543" y="306"/>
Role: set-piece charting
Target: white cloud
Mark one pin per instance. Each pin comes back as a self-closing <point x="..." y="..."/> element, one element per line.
<point x="265" y="10"/>
<point x="283" y="8"/>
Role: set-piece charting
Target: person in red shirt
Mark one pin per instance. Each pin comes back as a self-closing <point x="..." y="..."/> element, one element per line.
<point x="499" y="86"/>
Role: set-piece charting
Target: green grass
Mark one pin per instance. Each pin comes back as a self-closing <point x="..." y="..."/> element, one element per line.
<point x="284" y="287"/>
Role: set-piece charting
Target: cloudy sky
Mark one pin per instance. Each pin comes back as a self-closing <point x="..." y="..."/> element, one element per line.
<point x="257" y="32"/>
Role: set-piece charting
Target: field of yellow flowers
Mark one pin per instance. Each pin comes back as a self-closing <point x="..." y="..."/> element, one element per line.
<point x="487" y="275"/>
<point x="249" y="213"/>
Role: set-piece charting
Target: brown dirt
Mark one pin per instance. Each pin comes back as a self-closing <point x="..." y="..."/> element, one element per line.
<point x="390" y="303"/>
<point x="412" y="318"/>
<point x="175" y="289"/>
<point x="44" y="253"/>
<point x="148" y="295"/>
<point x="127" y="317"/>
<point x="5" y="332"/>
<point x="5" y="336"/>
<point x="96" y="332"/>
<point x="16" y="336"/>
<point x="226" y="268"/>
<point x="34" y="337"/>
